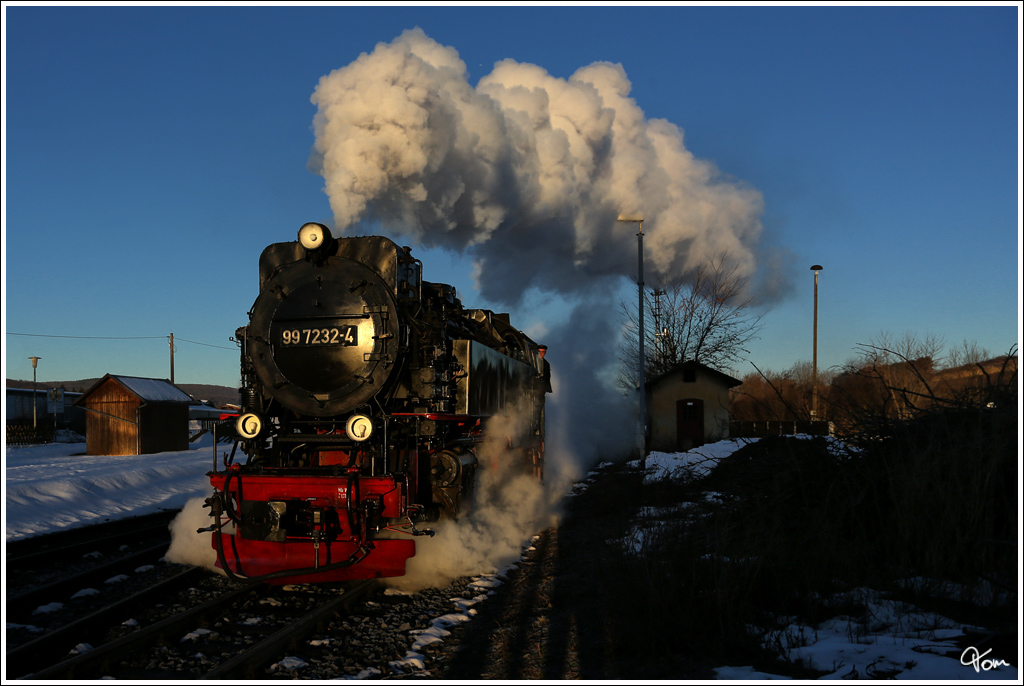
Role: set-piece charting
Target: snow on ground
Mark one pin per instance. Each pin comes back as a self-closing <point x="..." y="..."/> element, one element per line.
<point x="698" y="462"/>
<point x="893" y="640"/>
<point x="56" y="487"/>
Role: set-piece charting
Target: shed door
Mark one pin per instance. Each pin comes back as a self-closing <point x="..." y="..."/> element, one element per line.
<point x="689" y="423"/>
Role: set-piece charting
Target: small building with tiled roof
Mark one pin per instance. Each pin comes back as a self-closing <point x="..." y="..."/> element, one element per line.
<point x="131" y="415"/>
<point x="688" y="406"/>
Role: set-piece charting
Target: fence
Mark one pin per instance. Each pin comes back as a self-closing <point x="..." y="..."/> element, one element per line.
<point x="23" y="434"/>
<point x="778" y="428"/>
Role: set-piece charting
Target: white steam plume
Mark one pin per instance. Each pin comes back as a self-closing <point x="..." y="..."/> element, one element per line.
<point x="509" y="506"/>
<point x="526" y="171"/>
<point x="187" y="545"/>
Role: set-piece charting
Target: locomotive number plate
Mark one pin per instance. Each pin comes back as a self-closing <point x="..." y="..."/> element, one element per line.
<point x="328" y="335"/>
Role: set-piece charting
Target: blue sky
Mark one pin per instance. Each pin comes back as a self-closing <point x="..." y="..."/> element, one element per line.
<point x="152" y="153"/>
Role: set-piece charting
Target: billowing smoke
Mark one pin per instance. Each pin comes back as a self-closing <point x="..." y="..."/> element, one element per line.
<point x="187" y="545"/>
<point x="527" y="173"/>
<point x="509" y="505"/>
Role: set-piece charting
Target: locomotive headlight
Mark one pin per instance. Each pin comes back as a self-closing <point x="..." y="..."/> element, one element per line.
<point x="248" y="425"/>
<point x="359" y="427"/>
<point x="313" y="235"/>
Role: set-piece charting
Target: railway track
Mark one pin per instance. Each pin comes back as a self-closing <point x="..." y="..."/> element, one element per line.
<point x="180" y="622"/>
<point x="58" y="547"/>
<point x="56" y="579"/>
<point x="250" y="662"/>
<point x="233" y="631"/>
<point x="136" y="635"/>
<point x="244" y="650"/>
<point x="141" y="607"/>
<point x="21" y="605"/>
<point x="25" y="658"/>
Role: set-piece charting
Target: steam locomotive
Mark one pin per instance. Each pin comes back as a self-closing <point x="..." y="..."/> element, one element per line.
<point x="366" y="398"/>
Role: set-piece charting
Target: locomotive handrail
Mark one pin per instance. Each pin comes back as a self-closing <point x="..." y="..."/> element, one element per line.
<point x="439" y="417"/>
<point x="322" y="316"/>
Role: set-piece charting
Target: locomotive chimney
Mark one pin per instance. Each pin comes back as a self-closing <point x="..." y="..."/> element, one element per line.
<point x="317" y="240"/>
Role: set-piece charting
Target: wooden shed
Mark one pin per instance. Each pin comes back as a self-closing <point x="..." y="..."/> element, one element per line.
<point x="130" y="415"/>
<point x="689" y="406"/>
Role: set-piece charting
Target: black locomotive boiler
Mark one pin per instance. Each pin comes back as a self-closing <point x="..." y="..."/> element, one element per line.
<point x="366" y="394"/>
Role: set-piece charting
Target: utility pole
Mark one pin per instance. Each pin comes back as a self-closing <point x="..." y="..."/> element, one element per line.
<point x="172" y="357"/>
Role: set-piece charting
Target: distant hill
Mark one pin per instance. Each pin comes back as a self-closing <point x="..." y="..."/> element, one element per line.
<point x="218" y="395"/>
<point x="79" y="386"/>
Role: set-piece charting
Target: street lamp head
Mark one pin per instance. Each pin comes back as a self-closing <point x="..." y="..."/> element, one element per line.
<point x="631" y="217"/>
<point x="817" y="268"/>
<point x="35" y="361"/>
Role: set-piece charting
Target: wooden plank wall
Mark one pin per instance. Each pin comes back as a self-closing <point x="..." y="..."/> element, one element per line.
<point x="105" y="435"/>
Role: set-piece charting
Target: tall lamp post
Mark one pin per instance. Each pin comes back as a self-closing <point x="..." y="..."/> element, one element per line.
<point x="639" y="218"/>
<point x="814" y="369"/>
<point x="35" y="361"/>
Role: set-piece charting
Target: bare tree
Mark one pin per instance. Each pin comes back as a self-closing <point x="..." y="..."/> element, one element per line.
<point x="902" y="366"/>
<point x="893" y="377"/>
<point x="706" y="318"/>
<point x="767" y="395"/>
<point x="968" y="353"/>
